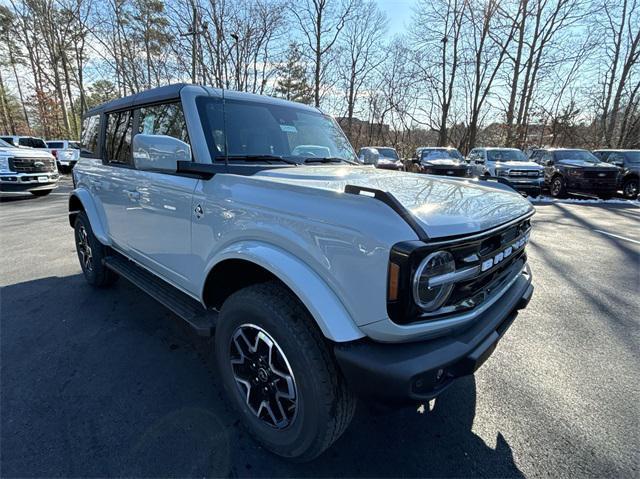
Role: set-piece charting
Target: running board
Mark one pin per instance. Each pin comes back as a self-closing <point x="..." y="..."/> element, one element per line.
<point x="190" y="310"/>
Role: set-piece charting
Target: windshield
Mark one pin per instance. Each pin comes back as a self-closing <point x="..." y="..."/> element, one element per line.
<point x="441" y="154"/>
<point x="633" y="157"/>
<point x="388" y="153"/>
<point x="506" y="155"/>
<point x="582" y="155"/>
<point x="266" y="131"/>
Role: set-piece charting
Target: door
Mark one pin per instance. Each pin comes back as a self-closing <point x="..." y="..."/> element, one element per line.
<point x="115" y="187"/>
<point x="160" y="207"/>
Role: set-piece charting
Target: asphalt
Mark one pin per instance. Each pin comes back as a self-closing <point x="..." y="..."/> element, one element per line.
<point x="108" y="383"/>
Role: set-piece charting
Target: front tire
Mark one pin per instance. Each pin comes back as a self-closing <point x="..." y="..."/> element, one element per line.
<point x="630" y="188"/>
<point x="279" y="373"/>
<point x="91" y="253"/>
<point x="558" y="189"/>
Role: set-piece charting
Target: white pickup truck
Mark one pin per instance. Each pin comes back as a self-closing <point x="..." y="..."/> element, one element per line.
<point x="27" y="170"/>
<point x="66" y="152"/>
<point x="320" y="279"/>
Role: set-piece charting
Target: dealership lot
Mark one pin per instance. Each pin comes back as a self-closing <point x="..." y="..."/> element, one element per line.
<point x="107" y="383"/>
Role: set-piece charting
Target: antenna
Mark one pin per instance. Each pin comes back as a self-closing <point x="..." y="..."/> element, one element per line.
<point x="224" y="128"/>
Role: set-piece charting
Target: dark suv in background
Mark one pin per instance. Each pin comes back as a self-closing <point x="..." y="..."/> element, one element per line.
<point x="446" y="161"/>
<point x="628" y="163"/>
<point x="577" y="171"/>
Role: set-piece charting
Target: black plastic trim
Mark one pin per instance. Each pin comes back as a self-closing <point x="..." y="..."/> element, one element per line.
<point x="206" y="171"/>
<point x="393" y="203"/>
<point x="413" y="372"/>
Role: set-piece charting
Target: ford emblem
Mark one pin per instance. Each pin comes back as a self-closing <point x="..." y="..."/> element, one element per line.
<point x="38" y="164"/>
<point x="602" y="174"/>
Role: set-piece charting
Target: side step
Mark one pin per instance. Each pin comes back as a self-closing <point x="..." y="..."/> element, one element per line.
<point x="201" y="320"/>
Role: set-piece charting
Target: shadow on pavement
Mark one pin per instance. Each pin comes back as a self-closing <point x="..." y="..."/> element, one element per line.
<point x="107" y="383"/>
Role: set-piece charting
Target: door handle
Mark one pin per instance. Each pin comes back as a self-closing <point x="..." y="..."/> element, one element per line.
<point x="133" y="195"/>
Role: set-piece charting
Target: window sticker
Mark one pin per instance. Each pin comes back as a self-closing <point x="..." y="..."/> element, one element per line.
<point x="289" y="128"/>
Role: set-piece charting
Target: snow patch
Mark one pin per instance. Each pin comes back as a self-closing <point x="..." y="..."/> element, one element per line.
<point x="541" y="200"/>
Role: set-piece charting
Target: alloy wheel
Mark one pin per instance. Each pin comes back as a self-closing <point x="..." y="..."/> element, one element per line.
<point x="631" y="189"/>
<point x="263" y="376"/>
<point x="556" y="187"/>
<point x="86" y="255"/>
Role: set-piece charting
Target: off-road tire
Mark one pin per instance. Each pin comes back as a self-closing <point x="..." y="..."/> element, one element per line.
<point x="558" y="188"/>
<point x="41" y="192"/>
<point x="628" y="190"/>
<point x="325" y="406"/>
<point x="97" y="274"/>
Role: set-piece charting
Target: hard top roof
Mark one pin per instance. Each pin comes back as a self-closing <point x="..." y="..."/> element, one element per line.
<point x="172" y="92"/>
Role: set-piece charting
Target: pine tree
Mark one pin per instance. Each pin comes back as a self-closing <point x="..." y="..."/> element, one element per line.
<point x="292" y="78"/>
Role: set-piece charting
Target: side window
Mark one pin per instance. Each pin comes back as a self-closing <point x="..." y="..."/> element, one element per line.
<point x="118" y="137"/>
<point x="167" y="119"/>
<point x="89" y="137"/>
<point x="616" y="159"/>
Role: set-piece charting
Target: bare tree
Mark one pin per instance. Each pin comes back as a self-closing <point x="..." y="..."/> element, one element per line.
<point x="320" y="22"/>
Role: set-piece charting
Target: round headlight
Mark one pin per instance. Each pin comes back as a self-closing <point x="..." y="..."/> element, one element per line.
<point x="436" y="264"/>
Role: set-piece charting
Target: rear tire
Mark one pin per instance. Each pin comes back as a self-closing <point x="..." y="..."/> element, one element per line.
<point x="558" y="189"/>
<point x="91" y="253"/>
<point x="322" y="406"/>
<point x="41" y="192"/>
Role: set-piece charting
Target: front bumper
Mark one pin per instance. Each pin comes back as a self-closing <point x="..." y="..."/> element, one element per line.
<point x="527" y="185"/>
<point x="390" y="166"/>
<point x="16" y="182"/>
<point x="589" y="185"/>
<point x="414" y="372"/>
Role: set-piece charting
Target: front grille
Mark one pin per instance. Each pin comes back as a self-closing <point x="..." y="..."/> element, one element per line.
<point x="600" y="174"/>
<point x="494" y="257"/>
<point x="447" y="171"/>
<point x="524" y="173"/>
<point x="32" y="165"/>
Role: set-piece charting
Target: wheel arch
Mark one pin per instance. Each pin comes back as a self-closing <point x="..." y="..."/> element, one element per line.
<point x="80" y="200"/>
<point x="251" y="262"/>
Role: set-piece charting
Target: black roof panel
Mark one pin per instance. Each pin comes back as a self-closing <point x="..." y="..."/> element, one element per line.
<point x="163" y="93"/>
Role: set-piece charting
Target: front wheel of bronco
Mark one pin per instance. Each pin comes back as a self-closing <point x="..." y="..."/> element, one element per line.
<point x="91" y="253"/>
<point x="279" y="372"/>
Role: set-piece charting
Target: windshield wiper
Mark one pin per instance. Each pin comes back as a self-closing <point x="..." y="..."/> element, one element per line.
<point x="328" y="159"/>
<point x="257" y="158"/>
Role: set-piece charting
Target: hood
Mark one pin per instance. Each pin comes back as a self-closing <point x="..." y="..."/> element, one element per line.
<point x="443" y="206"/>
<point x="444" y="162"/>
<point x="524" y="165"/>
<point x="586" y="164"/>
<point x="25" y="152"/>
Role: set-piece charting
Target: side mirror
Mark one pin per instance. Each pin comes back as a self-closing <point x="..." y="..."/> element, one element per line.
<point x="159" y="152"/>
<point x="370" y="156"/>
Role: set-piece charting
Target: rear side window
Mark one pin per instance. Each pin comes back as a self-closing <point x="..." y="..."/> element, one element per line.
<point x="118" y="137"/>
<point x="167" y="119"/>
<point x="55" y="144"/>
<point x="89" y="137"/>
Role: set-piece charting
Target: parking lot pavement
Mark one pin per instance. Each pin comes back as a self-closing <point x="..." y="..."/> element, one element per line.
<point x="106" y="382"/>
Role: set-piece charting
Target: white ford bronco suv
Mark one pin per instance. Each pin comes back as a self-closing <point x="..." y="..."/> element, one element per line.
<point x="320" y="280"/>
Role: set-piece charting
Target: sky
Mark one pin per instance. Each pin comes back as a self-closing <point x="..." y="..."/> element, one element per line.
<point x="398" y="12"/>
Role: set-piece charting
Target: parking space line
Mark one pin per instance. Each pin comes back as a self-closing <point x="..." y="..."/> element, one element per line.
<point x="618" y="236"/>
